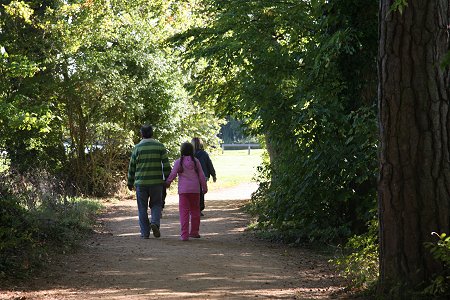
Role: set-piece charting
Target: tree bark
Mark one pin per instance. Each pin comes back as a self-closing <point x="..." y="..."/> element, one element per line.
<point x="413" y="100"/>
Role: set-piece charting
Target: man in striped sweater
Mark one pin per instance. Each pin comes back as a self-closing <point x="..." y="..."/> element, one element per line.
<point x="148" y="168"/>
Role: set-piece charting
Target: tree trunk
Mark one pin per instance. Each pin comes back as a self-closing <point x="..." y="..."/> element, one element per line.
<point x="271" y="148"/>
<point x="413" y="99"/>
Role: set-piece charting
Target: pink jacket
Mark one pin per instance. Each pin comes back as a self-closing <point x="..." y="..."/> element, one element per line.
<point x="189" y="181"/>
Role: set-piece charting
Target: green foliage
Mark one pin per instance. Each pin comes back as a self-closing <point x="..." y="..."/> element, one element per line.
<point x="80" y="78"/>
<point x="332" y="192"/>
<point x="28" y="126"/>
<point x="359" y="260"/>
<point x="36" y="221"/>
<point x="303" y="74"/>
<point x="17" y="248"/>
<point x="65" y="222"/>
<point x="399" y="5"/>
<point x="440" y="285"/>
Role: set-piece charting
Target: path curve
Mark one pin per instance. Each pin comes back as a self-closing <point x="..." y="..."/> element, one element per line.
<point x="226" y="263"/>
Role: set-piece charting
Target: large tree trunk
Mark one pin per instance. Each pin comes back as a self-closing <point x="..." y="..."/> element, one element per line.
<point x="414" y="182"/>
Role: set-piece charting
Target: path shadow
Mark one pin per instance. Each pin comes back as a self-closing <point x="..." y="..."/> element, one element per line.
<point x="226" y="263"/>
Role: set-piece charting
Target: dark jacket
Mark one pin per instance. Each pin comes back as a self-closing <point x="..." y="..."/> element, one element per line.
<point x="205" y="161"/>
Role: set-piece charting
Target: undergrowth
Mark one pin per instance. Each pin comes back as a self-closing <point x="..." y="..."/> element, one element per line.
<point x="358" y="259"/>
<point x="36" y="222"/>
<point x="439" y="287"/>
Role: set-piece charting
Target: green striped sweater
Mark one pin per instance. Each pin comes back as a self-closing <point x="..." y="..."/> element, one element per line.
<point x="148" y="162"/>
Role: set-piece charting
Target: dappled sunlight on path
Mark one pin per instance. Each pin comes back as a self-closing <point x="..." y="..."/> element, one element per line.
<point x="225" y="263"/>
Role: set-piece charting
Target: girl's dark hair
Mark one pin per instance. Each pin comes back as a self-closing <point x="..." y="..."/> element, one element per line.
<point x="187" y="149"/>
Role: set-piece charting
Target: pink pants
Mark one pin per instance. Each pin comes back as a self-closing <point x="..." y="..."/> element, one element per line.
<point x="189" y="209"/>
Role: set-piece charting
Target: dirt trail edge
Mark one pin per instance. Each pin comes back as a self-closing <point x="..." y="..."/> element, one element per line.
<point x="225" y="263"/>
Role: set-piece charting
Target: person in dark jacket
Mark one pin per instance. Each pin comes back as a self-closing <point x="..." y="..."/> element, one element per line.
<point x="207" y="166"/>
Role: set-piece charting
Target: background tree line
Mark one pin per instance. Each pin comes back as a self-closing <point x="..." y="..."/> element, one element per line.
<point x="233" y="132"/>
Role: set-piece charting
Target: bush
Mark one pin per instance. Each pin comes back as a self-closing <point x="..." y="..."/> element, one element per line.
<point x="64" y="223"/>
<point x="322" y="188"/>
<point x="440" y="285"/>
<point x="36" y="220"/>
<point x="19" y="251"/>
<point x="360" y="264"/>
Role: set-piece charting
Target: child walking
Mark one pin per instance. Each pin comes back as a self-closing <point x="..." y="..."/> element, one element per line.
<point x="190" y="178"/>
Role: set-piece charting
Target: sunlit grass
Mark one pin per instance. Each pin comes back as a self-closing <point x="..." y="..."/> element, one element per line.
<point x="234" y="167"/>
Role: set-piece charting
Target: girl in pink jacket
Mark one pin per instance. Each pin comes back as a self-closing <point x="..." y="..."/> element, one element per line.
<point x="190" y="178"/>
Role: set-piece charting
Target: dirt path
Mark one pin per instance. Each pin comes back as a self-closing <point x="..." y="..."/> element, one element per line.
<point x="226" y="263"/>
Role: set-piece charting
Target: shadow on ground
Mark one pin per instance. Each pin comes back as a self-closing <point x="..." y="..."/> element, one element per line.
<point x="225" y="263"/>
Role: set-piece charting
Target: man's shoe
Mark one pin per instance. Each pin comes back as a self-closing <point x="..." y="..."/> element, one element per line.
<point x="155" y="230"/>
